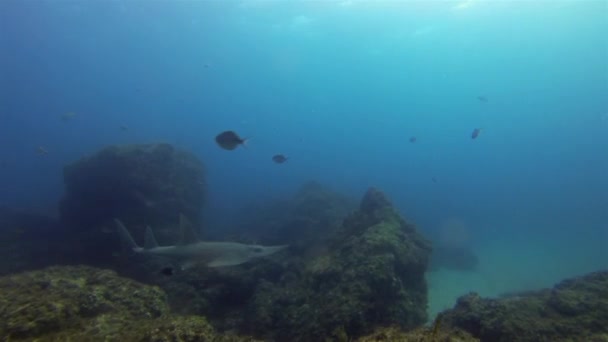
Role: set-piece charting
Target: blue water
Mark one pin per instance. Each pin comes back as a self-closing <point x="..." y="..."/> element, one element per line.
<point x="339" y="87"/>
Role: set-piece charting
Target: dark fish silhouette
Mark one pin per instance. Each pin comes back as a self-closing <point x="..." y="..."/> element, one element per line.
<point x="229" y="140"/>
<point x="413" y="140"/>
<point x="168" y="271"/>
<point x="475" y="133"/>
<point x="279" y="159"/>
<point x="434" y="179"/>
<point x="482" y="98"/>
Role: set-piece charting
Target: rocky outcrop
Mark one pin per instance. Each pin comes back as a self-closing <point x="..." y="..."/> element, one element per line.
<point x="89" y="304"/>
<point x="372" y="274"/>
<point x="574" y="310"/>
<point x="140" y="184"/>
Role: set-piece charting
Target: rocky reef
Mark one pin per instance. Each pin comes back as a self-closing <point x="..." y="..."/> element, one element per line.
<point x="140" y="184"/>
<point x="362" y="271"/>
<point x="87" y="304"/>
<point x="574" y="310"/>
<point x="371" y="274"/>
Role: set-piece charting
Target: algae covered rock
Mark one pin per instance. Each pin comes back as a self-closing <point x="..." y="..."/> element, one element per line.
<point x="67" y="298"/>
<point x="574" y="310"/>
<point x="78" y="303"/>
<point x="423" y="334"/>
<point x="372" y="274"/>
<point x="141" y="185"/>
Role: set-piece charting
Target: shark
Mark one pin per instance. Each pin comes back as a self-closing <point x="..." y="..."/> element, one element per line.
<point x="190" y="251"/>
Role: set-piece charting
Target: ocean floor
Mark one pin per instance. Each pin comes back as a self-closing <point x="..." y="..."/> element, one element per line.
<point x="519" y="263"/>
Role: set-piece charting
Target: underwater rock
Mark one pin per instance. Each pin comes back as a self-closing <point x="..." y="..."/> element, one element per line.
<point x="303" y="221"/>
<point x="424" y="334"/>
<point x="87" y="304"/>
<point x="140" y="184"/>
<point x="371" y="274"/>
<point x="574" y="310"/>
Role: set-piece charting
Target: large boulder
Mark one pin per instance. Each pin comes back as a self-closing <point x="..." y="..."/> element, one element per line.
<point x="371" y="274"/>
<point x="574" y="310"/>
<point x="139" y="184"/>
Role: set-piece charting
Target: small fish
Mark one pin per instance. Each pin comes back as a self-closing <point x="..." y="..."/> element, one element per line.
<point x="279" y="158"/>
<point x="137" y="195"/>
<point x="434" y="179"/>
<point x="42" y="151"/>
<point x="412" y="139"/>
<point x="229" y="140"/>
<point x="475" y="133"/>
<point x="19" y="231"/>
<point x="67" y="116"/>
<point x="168" y="271"/>
<point x="124" y="127"/>
<point x="482" y="98"/>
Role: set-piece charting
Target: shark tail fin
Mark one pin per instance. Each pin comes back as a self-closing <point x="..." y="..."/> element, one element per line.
<point x="125" y="237"/>
<point x="150" y="240"/>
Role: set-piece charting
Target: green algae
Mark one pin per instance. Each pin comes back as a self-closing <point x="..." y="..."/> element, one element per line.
<point x="81" y="303"/>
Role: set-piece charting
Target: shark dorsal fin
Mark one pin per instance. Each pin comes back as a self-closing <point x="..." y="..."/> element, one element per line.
<point x="149" y="239"/>
<point x="188" y="236"/>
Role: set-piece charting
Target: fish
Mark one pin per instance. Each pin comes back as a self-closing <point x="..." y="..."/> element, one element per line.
<point x="475" y="133"/>
<point x="42" y="151"/>
<point x="141" y="198"/>
<point x="67" y="116"/>
<point x="482" y="98"/>
<point x="434" y="179"/>
<point x="229" y="140"/>
<point x="190" y="252"/>
<point x="412" y="139"/>
<point x="124" y="127"/>
<point x="279" y="158"/>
